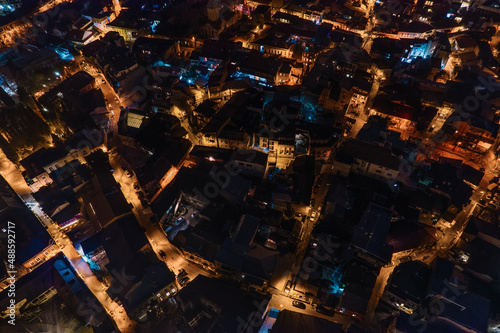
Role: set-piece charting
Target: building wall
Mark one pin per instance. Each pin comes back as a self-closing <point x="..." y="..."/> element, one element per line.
<point x="41" y="257"/>
<point x="40" y="181"/>
<point x="373" y="170"/>
<point x="339" y="169"/>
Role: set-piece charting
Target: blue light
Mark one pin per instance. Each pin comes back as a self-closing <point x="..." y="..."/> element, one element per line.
<point x="64" y="54"/>
<point x="153" y="26"/>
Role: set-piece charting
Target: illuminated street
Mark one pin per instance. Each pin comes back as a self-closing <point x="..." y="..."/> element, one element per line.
<point x="203" y="166"/>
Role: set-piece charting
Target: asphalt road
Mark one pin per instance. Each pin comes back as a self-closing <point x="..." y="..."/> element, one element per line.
<point x="116" y="312"/>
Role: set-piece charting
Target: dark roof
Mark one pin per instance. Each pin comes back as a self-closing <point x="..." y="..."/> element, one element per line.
<point x="129" y="19"/>
<point x="411" y="239"/>
<point x="291" y="321"/>
<point x="383" y="105"/>
<point x="356" y="297"/>
<point x="221" y="154"/>
<point x="233" y="304"/>
<point x="368" y="152"/>
<point x="477" y="226"/>
<point x="371" y="232"/>
<point x="31" y="236"/>
<point x="76" y="82"/>
<point x="250" y="156"/>
<point x="343" y="36"/>
<point x="92" y="48"/>
<point x="256" y="63"/>
<point x="121" y="239"/>
<point x="471" y="175"/>
<point x="187" y="180"/>
<point x="56" y="273"/>
<point x="218" y="49"/>
<point x="261" y="9"/>
<point x="415" y="26"/>
<point x="409" y="281"/>
<point x="164" y="200"/>
<point x="149" y="278"/>
<point x="206" y="108"/>
<point x="81" y="23"/>
<point x="246" y="230"/>
<point x="465" y="42"/>
<point x="484" y="258"/>
<point x="35" y="162"/>
<point x="108" y="197"/>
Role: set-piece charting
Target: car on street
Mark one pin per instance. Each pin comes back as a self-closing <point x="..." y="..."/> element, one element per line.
<point x="288" y="286"/>
<point x="128" y="173"/>
<point x="136" y="186"/>
<point x="162" y="254"/>
<point x="182" y="274"/>
<point x="184" y="281"/>
<point x="180" y="220"/>
<point x="299" y="305"/>
<point x="324" y="311"/>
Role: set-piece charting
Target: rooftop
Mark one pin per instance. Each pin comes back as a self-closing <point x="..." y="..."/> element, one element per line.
<point x="365" y="151"/>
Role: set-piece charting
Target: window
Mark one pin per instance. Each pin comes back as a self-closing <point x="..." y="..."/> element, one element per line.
<point x="378" y="171"/>
<point x="38" y="259"/>
<point x="389" y="175"/>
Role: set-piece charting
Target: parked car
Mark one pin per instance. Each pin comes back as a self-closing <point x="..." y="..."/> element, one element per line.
<point x="128" y="173"/>
<point x="182" y="274"/>
<point x="327" y="312"/>
<point x="184" y="281"/>
<point x="299" y="305"/>
<point x="136" y="186"/>
<point x="162" y="254"/>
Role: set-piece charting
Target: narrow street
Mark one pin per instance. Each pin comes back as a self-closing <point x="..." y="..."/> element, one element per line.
<point x="280" y="302"/>
<point x="116" y="312"/>
<point x="157" y="238"/>
<point x="446" y="240"/>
